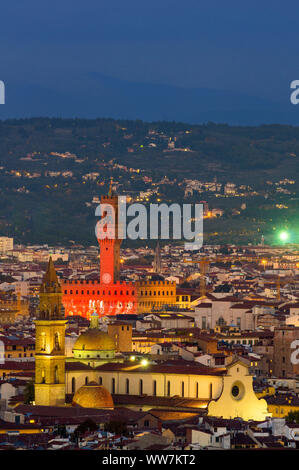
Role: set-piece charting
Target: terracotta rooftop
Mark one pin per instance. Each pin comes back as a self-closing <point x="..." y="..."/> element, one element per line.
<point x="171" y="367"/>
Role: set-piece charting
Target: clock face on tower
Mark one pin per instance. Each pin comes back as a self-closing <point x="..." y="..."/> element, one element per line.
<point x="106" y="278"/>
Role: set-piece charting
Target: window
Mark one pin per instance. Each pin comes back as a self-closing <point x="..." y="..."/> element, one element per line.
<point x="127" y="386"/>
<point x="43" y="342"/>
<point x="196" y="389"/>
<point x="140" y="387"/>
<point x="183" y="389"/>
<point x="204" y="323"/>
<point x="154" y="388"/>
<point x="211" y="390"/>
<point x="113" y="386"/>
<point x="56" y="342"/>
<point x="86" y="380"/>
<point x="168" y="388"/>
<point x="146" y="423"/>
<point x="73" y="385"/>
<point x="100" y="380"/>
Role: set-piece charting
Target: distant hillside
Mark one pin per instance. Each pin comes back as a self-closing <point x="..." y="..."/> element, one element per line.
<point x="52" y="169"/>
<point x="218" y="146"/>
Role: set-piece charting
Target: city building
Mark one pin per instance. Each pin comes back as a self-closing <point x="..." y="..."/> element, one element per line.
<point x="6" y="244"/>
<point x="109" y="295"/>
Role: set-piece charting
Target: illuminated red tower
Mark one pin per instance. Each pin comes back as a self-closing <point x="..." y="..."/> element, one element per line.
<point x="108" y="295"/>
<point x="110" y="246"/>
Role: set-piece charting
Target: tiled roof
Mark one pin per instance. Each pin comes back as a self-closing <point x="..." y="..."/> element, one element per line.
<point x="171" y="367"/>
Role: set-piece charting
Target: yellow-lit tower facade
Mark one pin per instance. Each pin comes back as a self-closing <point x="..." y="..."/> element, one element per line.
<point x="50" y="343"/>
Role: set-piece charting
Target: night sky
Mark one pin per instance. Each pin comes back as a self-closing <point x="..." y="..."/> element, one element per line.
<point x="117" y="58"/>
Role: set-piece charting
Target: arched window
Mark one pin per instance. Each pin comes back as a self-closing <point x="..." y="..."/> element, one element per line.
<point x="43" y="342"/>
<point x="57" y="342"/>
<point x="73" y="385"/>
<point x="140" y="387"/>
<point x="127" y="386"/>
<point x="220" y="321"/>
<point x="43" y="376"/>
<point x="154" y="388"/>
<point x="100" y="380"/>
<point x="113" y="385"/>
<point x="86" y="380"/>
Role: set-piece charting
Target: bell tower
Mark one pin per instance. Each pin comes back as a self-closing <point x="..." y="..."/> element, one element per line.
<point x="110" y="246"/>
<point x="50" y="343"/>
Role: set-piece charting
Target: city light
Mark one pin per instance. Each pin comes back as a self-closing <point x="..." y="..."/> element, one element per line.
<point x="144" y="362"/>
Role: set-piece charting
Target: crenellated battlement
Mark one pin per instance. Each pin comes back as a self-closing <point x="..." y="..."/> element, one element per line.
<point x="85" y="282"/>
<point x="155" y="283"/>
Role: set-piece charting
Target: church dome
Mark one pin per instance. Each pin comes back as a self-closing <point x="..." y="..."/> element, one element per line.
<point x="94" y="340"/>
<point x="93" y="395"/>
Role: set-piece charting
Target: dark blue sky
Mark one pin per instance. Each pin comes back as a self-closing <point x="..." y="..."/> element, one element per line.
<point x="249" y="48"/>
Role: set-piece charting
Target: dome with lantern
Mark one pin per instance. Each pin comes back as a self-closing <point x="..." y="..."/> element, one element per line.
<point x="94" y="343"/>
<point x="93" y="395"/>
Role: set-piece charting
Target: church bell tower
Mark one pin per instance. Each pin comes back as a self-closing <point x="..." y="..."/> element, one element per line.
<point x="50" y="343"/>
